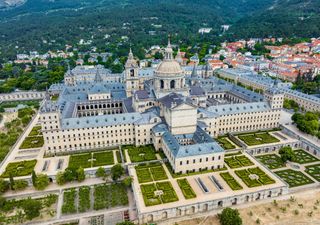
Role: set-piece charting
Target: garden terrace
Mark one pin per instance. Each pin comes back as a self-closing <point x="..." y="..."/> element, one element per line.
<point x="229" y="179"/>
<point x="226" y="143"/>
<point x="254" y="177"/>
<point x="91" y="159"/>
<point x="272" y="161"/>
<point x="238" y="161"/>
<point x="294" y="178"/>
<point x="32" y="142"/>
<point x="314" y="171"/>
<point x="303" y="157"/>
<point x="107" y="196"/>
<point x="141" y="153"/>
<point x="258" y="138"/>
<point x="18" y="169"/>
<point x="150" y="172"/>
<point x="186" y="189"/>
<point x="157" y="193"/>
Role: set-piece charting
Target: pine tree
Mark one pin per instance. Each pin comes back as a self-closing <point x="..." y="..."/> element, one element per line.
<point x="34" y="178"/>
<point x="11" y="182"/>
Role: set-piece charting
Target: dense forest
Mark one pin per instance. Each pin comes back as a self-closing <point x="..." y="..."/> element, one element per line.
<point x="48" y="25"/>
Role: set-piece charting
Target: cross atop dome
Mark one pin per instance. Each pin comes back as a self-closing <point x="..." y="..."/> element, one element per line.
<point x="168" y="51"/>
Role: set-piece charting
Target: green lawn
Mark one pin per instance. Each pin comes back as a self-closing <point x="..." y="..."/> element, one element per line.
<point x="32" y="142"/>
<point x="303" y="157"/>
<point x="103" y="158"/>
<point x="229" y="179"/>
<point x="225" y="143"/>
<point x="272" y="161"/>
<point x="254" y="177"/>
<point x="186" y="189"/>
<point x="258" y="138"/>
<point x="91" y="159"/>
<point x="141" y="153"/>
<point x="238" y="161"/>
<point x="18" y="169"/>
<point x="314" y="171"/>
<point x="294" y="178"/>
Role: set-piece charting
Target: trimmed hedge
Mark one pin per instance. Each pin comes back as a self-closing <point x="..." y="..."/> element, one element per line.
<point x="258" y="139"/>
<point x="186" y="189"/>
<point x="303" y="157"/>
<point x="238" y="161"/>
<point x="314" y="171"/>
<point x="149" y="197"/>
<point x="169" y="194"/>
<point x="294" y="178"/>
<point x="272" y="161"/>
<point x="17" y="169"/>
<point x="263" y="178"/>
<point x="141" y="153"/>
<point x="150" y="172"/>
<point x="225" y="143"/>
<point x="32" y="142"/>
<point x="233" y="183"/>
<point x="69" y="197"/>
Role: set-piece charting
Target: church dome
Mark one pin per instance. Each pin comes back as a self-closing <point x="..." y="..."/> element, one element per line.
<point x="169" y="67"/>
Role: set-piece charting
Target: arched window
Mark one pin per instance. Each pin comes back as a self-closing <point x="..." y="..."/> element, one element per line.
<point x="161" y="84"/>
<point x="172" y="84"/>
<point x="132" y="72"/>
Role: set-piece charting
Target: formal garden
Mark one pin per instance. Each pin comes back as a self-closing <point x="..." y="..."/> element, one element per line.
<point x="141" y="153"/>
<point x="69" y="199"/>
<point x="157" y="193"/>
<point x="91" y="159"/>
<point x="238" y="161"/>
<point x="225" y="143"/>
<point x="231" y="181"/>
<point x="110" y="195"/>
<point x="254" y="177"/>
<point x="20" y="211"/>
<point x="17" y="169"/>
<point x="303" y="157"/>
<point x="258" y="138"/>
<point x="34" y="139"/>
<point x="272" y="161"/>
<point x="314" y="171"/>
<point x="186" y="189"/>
<point x="150" y="172"/>
<point x="294" y="178"/>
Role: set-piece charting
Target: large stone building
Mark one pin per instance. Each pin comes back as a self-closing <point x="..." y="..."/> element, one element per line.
<point x="178" y="112"/>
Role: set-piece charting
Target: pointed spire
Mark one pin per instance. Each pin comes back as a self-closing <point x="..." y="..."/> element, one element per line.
<point x="169" y="44"/>
<point x="130" y="56"/>
<point x="98" y="78"/>
<point x="194" y="72"/>
<point x="168" y="51"/>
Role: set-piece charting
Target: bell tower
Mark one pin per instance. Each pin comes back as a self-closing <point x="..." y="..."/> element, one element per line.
<point x="131" y="75"/>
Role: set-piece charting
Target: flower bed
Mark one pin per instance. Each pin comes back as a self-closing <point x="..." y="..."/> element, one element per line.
<point x="238" y="161"/>
<point x="314" y="171"/>
<point x="141" y="153"/>
<point x="186" y="189"/>
<point x="272" y="161"/>
<point x="294" y="178"/>
<point x="254" y="177"/>
<point x="303" y="157"/>
<point x="225" y="143"/>
<point x="149" y="197"/>
<point x="169" y="194"/>
<point x="233" y="184"/>
<point x="22" y="168"/>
